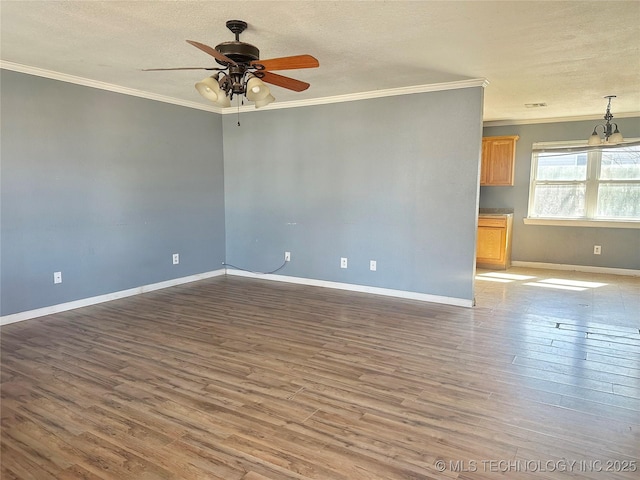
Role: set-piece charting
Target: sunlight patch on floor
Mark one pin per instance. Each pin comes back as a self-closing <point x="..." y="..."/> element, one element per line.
<point x="491" y="279"/>
<point x="573" y="283"/>
<point x="508" y="276"/>
<point x="556" y="283"/>
<point x="552" y="285"/>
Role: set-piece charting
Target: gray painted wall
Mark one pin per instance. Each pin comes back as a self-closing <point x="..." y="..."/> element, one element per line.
<point x="391" y="179"/>
<point x="104" y="188"/>
<point x="554" y="244"/>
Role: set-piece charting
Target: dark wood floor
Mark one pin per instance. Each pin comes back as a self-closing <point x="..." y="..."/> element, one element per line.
<point x="233" y="378"/>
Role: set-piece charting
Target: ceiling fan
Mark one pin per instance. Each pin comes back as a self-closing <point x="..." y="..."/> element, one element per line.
<point x="242" y="71"/>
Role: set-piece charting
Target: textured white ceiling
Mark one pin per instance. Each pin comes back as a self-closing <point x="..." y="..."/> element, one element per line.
<point x="566" y="54"/>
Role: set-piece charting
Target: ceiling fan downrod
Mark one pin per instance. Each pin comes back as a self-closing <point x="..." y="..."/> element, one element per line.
<point x="237" y="27"/>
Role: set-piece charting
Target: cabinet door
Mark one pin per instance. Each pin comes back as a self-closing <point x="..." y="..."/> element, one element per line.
<point x="491" y="245"/>
<point x="502" y="162"/>
<point x="498" y="160"/>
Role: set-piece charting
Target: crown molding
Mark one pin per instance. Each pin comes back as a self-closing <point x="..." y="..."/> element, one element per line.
<point x="433" y="87"/>
<point x="351" y="97"/>
<point x="576" y="118"/>
<point x="41" y="72"/>
<point x="87" y="82"/>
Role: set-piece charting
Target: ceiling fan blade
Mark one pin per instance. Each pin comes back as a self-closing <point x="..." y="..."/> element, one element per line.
<point x="212" y="51"/>
<point x="288" y="63"/>
<point x="177" y="68"/>
<point x="284" y="82"/>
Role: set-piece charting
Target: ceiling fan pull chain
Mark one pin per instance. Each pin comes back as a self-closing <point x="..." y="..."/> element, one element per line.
<point x="238" y="110"/>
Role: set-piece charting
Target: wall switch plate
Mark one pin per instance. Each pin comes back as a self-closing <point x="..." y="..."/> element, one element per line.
<point x="176" y="258"/>
<point x="373" y="265"/>
<point x="343" y="262"/>
<point x="597" y="249"/>
<point x="287" y="256"/>
<point x="57" y="277"/>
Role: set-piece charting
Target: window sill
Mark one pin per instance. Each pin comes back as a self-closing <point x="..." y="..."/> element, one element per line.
<point x="565" y="222"/>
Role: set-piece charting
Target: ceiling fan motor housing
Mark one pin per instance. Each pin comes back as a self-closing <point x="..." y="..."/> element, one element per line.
<point x="239" y="52"/>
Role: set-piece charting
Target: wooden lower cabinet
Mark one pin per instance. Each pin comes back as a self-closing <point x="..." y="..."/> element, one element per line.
<point x="493" y="249"/>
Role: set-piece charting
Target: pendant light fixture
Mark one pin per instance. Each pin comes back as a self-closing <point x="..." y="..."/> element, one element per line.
<point x="611" y="136"/>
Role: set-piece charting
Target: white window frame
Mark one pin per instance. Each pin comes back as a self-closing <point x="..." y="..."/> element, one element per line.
<point x="592" y="182"/>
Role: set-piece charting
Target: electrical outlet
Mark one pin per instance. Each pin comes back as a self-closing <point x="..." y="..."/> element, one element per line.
<point x="373" y="265"/>
<point x="176" y="258"/>
<point x="287" y="256"/>
<point x="57" y="277"/>
<point x="343" y="262"/>
<point x="597" y="249"/>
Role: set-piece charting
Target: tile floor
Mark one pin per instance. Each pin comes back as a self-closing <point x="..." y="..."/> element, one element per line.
<point x="612" y="300"/>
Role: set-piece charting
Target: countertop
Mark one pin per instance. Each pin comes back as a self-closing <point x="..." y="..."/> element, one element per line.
<point x="494" y="212"/>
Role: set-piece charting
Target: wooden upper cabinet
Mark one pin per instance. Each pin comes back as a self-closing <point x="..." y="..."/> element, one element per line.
<point x="498" y="160"/>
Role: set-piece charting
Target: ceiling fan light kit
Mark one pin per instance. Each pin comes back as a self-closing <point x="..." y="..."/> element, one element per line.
<point x="265" y="101"/>
<point x="611" y="136"/>
<point x="243" y="73"/>
<point x="209" y="88"/>
<point x="256" y="89"/>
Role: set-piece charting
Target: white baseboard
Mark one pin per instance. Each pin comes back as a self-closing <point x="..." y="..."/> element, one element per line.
<point x="424" y="297"/>
<point x="63" y="307"/>
<point x="578" y="268"/>
<point x="85" y="302"/>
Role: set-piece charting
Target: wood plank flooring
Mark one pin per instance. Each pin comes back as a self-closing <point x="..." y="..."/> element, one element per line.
<point x="241" y="379"/>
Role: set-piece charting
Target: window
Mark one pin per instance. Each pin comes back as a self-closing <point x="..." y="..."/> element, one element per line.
<point x="585" y="183"/>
